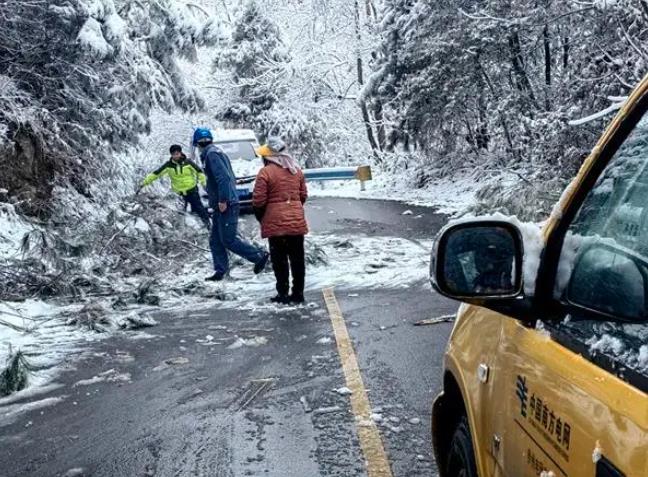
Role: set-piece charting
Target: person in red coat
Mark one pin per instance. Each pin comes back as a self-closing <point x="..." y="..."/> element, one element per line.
<point x="278" y="200"/>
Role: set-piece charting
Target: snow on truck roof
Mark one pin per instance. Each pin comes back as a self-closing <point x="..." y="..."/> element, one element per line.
<point x="227" y="135"/>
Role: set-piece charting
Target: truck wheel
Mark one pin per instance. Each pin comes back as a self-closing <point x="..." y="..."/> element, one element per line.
<point x="461" y="457"/>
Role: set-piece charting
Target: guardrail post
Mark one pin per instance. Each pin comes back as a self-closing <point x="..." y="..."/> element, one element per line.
<point x="363" y="174"/>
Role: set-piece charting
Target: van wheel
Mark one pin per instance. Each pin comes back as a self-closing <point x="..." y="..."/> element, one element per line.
<point x="461" y="457"/>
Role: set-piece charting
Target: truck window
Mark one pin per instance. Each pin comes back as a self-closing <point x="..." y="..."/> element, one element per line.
<point x="604" y="262"/>
<point x="237" y="149"/>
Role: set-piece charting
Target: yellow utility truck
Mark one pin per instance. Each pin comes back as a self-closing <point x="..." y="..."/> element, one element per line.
<point x="546" y="370"/>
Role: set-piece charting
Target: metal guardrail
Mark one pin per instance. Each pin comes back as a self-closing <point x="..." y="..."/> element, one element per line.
<point x="338" y="173"/>
<point x="361" y="173"/>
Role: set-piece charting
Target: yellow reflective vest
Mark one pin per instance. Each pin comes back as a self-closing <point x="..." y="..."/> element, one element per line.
<point x="184" y="174"/>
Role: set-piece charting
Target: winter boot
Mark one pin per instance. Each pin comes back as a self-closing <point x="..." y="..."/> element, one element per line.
<point x="280" y="300"/>
<point x="216" y="277"/>
<point x="296" y="299"/>
<point x="261" y="264"/>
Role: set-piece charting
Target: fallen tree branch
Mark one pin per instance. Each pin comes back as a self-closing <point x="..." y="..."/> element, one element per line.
<point x="194" y="245"/>
<point x="117" y="234"/>
<point x="12" y="326"/>
<point x="435" y="321"/>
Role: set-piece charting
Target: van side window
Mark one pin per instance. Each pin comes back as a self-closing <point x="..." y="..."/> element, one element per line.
<point x="604" y="261"/>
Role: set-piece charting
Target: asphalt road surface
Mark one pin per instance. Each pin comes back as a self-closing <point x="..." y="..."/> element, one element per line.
<point x="179" y="403"/>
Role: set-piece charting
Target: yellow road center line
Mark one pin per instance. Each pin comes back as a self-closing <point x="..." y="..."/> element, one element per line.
<point x="370" y="441"/>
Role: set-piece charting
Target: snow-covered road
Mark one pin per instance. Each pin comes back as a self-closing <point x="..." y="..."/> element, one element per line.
<point x="252" y="389"/>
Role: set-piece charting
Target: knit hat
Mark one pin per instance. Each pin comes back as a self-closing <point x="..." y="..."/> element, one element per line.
<point x="273" y="145"/>
<point x="175" y="148"/>
<point x="274" y="151"/>
<point x="276" y="144"/>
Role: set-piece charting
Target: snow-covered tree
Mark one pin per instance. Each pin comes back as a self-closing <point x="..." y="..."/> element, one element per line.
<point x="496" y="83"/>
<point x="255" y="58"/>
<point x="80" y="79"/>
<point x="266" y="89"/>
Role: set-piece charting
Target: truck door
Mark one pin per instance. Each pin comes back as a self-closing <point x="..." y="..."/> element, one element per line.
<point x="574" y="393"/>
<point x="564" y="414"/>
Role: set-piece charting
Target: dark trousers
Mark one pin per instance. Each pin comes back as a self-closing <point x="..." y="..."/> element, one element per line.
<point x="287" y="253"/>
<point x="192" y="197"/>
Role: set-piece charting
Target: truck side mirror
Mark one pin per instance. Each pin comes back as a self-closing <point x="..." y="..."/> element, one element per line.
<point x="477" y="260"/>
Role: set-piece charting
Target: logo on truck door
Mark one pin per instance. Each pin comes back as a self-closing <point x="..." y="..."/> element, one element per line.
<point x="538" y="412"/>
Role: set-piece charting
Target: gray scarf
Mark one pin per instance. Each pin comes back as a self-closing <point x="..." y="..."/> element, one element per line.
<point x="284" y="160"/>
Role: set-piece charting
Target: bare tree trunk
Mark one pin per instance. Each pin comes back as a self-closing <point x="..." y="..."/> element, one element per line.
<point x="370" y="9"/>
<point x="548" y="60"/>
<point x="481" y="133"/>
<point x="227" y="13"/>
<point x="360" y="71"/>
<point x="381" y="130"/>
<point x="407" y="142"/>
<point x="644" y="7"/>
<point x="504" y="123"/>
<point x="472" y="139"/>
<point x="565" y="52"/>
<point x="377" y="106"/>
<point x="366" y="118"/>
<point x="482" y="136"/>
<point x="517" y="62"/>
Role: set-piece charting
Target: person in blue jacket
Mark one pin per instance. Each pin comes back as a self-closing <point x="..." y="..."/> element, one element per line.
<point x="223" y="200"/>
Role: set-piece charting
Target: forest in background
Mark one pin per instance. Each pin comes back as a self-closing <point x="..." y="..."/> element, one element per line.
<point x="428" y="89"/>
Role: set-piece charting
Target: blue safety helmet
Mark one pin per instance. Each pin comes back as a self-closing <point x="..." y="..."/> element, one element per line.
<point x="202" y="134"/>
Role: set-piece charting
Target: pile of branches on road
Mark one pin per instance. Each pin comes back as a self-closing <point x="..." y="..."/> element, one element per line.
<point x="127" y="253"/>
<point x="15" y="374"/>
<point x="108" y="261"/>
<point x="137" y="252"/>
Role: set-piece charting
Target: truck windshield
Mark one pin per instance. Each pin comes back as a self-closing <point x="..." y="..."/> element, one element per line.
<point x="238" y="150"/>
<point x="604" y="262"/>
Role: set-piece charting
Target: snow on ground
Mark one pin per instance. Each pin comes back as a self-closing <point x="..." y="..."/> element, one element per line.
<point x="110" y="376"/>
<point x="11" y="412"/>
<point x="449" y="196"/>
<point x="12" y="230"/>
<point x="31" y="325"/>
<point x="346" y="261"/>
<point x="44" y="332"/>
<point x="40" y="329"/>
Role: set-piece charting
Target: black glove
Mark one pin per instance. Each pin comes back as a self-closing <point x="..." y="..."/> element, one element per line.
<point x="259" y="212"/>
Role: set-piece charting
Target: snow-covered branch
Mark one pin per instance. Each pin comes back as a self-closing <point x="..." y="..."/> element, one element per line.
<point x="601" y="114"/>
